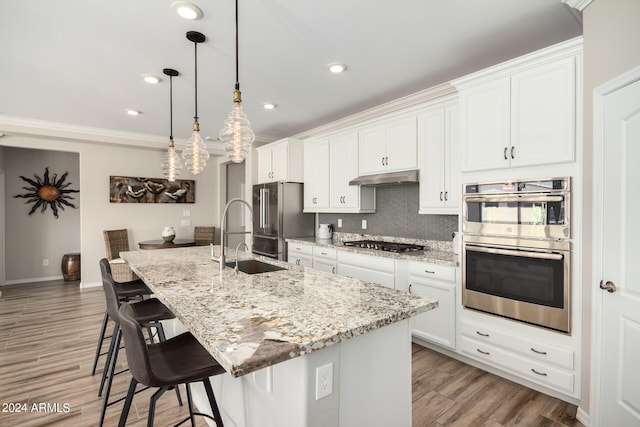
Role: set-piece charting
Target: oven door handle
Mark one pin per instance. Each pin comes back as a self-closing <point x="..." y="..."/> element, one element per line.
<point x="527" y="254"/>
<point x="510" y="199"/>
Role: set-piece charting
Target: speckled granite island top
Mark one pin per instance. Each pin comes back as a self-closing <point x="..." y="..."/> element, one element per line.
<point x="248" y="322"/>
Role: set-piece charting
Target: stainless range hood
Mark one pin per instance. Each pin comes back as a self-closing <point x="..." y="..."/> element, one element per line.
<point x="387" y="178"/>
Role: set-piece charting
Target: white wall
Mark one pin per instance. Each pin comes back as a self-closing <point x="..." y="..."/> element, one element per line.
<point x="30" y="239"/>
<point x="144" y="221"/>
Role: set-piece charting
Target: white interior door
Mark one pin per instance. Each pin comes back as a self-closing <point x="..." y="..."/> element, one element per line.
<point x="617" y="203"/>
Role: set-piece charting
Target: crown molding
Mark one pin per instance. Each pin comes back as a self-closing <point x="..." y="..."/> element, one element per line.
<point x="19" y="126"/>
<point x="400" y="105"/>
<point x="579" y="5"/>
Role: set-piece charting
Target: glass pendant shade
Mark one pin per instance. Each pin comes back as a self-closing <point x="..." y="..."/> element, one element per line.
<point x="195" y="154"/>
<point x="171" y="164"/>
<point x="236" y="134"/>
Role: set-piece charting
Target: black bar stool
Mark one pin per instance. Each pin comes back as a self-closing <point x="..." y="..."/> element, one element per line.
<point x="147" y="313"/>
<point x="127" y="291"/>
<point x="178" y="360"/>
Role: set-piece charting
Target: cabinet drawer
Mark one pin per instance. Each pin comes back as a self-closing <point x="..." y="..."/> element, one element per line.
<point x="432" y="271"/>
<point x="324" y="252"/>
<point x="526" y="368"/>
<point x="300" y="248"/>
<point x="531" y="349"/>
<point x="370" y="262"/>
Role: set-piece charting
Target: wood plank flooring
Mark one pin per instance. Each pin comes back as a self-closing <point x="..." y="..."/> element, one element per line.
<point x="48" y="333"/>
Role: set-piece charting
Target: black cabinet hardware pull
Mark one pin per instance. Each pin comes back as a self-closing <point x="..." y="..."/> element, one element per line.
<point x="544" y="353"/>
<point x="512" y="155"/>
<point x="481" y="334"/>
<point x="430" y="272"/>
<point x="505" y="153"/>
<point x="542" y="374"/>
<point x="486" y="353"/>
<point x="441" y="196"/>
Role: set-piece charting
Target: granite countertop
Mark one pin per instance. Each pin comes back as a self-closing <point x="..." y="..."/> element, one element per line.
<point x="434" y="252"/>
<point x="248" y="322"/>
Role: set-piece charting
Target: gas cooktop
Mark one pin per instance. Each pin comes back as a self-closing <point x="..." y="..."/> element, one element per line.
<point x="384" y="246"/>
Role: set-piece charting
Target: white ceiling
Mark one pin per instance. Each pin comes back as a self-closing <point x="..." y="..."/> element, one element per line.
<point x="79" y="61"/>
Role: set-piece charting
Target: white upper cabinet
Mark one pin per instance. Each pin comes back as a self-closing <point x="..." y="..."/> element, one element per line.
<point x="280" y="161"/>
<point x="344" y="167"/>
<point x="388" y="145"/>
<point x="521" y="113"/>
<point x="329" y="164"/>
<point x="316" y="175"/>
<point x="438" y="159"/>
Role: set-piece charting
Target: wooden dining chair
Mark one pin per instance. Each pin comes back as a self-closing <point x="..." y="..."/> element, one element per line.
<point x="116" y="241"/>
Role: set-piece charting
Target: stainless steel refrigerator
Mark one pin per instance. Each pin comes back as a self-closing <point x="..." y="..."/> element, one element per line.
<point x="277" y="215"/>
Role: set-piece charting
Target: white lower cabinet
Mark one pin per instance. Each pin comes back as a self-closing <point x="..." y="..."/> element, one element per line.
<point x="368" y="268"/>
<point x="439" y="282"/>
<point x="324" y="259"/>
<point x="539" y="362"/>
<point x="300" y="254"/>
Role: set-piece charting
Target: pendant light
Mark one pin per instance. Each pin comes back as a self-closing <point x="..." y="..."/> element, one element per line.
<point x="171" y="164"/>
<point x="236" y="133"/>
<point x="195" y="155"/>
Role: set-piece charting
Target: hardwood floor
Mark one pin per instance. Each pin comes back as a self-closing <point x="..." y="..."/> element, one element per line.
<point x="48" y="333"/>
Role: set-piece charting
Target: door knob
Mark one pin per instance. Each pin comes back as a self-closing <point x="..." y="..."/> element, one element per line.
<point x="608" y="286"/>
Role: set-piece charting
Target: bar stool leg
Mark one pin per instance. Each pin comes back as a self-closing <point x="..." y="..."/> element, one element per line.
<point x="152" y="405"/>
<point x="111" y="371"/>
<point x="112" y="350"/>
<point x="127" y="403"/>
<point x="212" y="402"/>
<point x="100" y="339"/>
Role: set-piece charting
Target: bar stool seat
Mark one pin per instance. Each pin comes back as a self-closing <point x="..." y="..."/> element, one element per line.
<point x="178" y="360"/>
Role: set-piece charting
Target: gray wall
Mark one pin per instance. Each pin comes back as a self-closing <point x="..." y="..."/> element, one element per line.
<point x="30" y="239"/>
<point x="396" y="215"/>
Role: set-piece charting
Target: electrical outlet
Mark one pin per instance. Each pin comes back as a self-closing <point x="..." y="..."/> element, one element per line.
<point x="186" y="212"/>
<point x="45" y="262"/>
<point x="339" y="222"/>
<point x="364" y="224"/>
<point x="185" y="222"/>
<point x="324" y="381"/>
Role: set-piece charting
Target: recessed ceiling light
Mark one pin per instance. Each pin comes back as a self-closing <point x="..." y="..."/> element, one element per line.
<point x="186" y="10"/>
<point x="336" y="67"/>
<point x="151" y="79"/>
<point x="132" y="112"/>
<point x="268" y="105"/>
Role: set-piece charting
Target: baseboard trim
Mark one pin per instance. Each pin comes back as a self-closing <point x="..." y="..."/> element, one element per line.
<point x="85" y="285"/>
<point x="32" y="280"/>
<point x="583" y="417"/>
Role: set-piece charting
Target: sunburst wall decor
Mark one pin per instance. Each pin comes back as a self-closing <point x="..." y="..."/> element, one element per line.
<point x="48" y="192"/>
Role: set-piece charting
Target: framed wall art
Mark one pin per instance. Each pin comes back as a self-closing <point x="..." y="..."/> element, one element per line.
<point x="127" y="189"/>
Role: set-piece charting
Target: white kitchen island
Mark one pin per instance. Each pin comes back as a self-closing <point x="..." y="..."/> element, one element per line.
<point x="271" y="331"/>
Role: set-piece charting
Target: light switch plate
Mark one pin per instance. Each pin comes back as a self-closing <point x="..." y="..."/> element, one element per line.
<point x="186" y="222"/>
<point x="186" y="212"/>
<point x="364" y="224"/>
<point x="339" y="222"/>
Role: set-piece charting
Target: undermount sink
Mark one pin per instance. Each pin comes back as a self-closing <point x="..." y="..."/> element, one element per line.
<point x="252" y="266"/>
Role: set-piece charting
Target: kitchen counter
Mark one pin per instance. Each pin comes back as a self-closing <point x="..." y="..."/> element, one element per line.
<point x="248" y="322"/>
<point x="433" y="255"/>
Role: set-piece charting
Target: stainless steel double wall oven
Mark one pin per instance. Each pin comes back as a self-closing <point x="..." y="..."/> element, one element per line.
<point x="517" y="250"/>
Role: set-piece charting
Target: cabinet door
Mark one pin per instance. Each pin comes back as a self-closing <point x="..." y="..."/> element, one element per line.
<point x="344" y="167"/>
<point x="402" y="144"/>
<point x="432" y="159"/>
<point x="316" y="176"/>
<point x="279" y="162"/>
<point x="324" y="265"/>
<point x="372" y="150"/>
<point x="264" y="166"/>
<point x="438" y="325"/>
<point x="485" y="124"/>
<point x="543" y="114"/>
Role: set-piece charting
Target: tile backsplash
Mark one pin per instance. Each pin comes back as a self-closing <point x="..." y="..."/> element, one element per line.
<point x="396" y="215"/>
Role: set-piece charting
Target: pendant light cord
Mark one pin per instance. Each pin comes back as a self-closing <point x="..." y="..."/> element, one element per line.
<point x="171" y="107"/>
<point x="195" y="45"/>
<point x="237" y="78"/>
